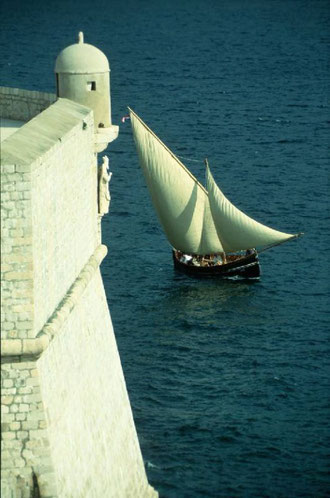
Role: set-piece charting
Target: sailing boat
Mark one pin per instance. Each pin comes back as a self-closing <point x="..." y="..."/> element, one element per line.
<point x="208" y="234"/>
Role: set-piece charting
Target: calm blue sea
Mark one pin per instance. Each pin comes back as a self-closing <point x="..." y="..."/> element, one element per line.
<point x="229" y="382"/>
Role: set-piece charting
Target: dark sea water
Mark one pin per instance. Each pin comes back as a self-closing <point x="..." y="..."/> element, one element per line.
<point x="229" y="381"/>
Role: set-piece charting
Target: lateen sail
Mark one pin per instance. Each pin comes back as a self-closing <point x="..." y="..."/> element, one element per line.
<point x="180" y="201"/>
<point x="236" y="230"/>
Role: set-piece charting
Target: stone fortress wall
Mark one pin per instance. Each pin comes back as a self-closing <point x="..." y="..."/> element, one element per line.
<point x="23" y="105"/>
<point x="67" y="425"/>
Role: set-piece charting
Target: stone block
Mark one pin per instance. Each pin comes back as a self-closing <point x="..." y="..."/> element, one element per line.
<point x="27" y="454"/>
<point x="7" y="417"/>
<point x="20" y="383"/>
<point x="23" y="334"/>
<point x="7" y="400"/>
<point x="8" y="326"/>
<point x="16" y="232"/>
<point x="30" y="425"/>
<point x="7" y="168"/>
<point x="32" y="444"/>
<point x="8" y="392"/>
<point x="17" y="275"/>
<point x="23" y="186"/>
<point x="5" y="369"/>
<point x="20" y="416"/>
<point x="36" y="415"/>
<point x="24" y="325"/>
<point x="22" y="434"/>
<point x="16" y="258"/>
<point x="47" y="485"/>
<point x="31" y="398"/>
<point x="27" y="307"/>
<point x="11" y="347"/>
<point x="12" y="445"/>
<point x="19" y="462"/>
<point x="13" y="374"/>
<point x="4" y="266"/>
<point x="8" y="187"/>
<point x="25" y="365"/>
<point x="24" y="374"/>
<point x="15" y="426"/>
<point x="8" y="383"/>
<point x="22" y="241"/>
<point x="6" y="248"/>
<point x="14" y="196"/>
<point x="7" y="464"/>
<point x="25" y="390"/>
<point x="8" y="435"/>
<point x="5" y="455"/>
<point x="38" y="434"/>
<point x="32" y="381"/>
<point x="24" y="316"/>
<point x="23" y="408"/>
<point x="10" y="205"/>
<point x="23" y="168"/>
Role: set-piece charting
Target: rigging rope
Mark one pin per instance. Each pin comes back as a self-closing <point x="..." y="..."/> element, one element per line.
<point x="189" y="159"/>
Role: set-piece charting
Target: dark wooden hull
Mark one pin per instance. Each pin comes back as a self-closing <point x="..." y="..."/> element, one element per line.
<point x="242" y="267"/>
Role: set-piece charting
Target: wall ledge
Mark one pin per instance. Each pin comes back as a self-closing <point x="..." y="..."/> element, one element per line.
<point x="19" y="349"/>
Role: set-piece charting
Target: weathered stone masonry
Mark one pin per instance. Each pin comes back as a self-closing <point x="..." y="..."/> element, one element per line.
<point x="23" y="105"/>
<point x="67" y="426"/>
<point x="25" y="445"/>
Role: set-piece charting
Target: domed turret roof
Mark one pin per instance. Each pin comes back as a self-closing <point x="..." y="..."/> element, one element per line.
<point x="81" y="58"/>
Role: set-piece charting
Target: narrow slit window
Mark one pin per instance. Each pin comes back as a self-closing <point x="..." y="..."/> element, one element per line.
<point x="57" y="86"/>
<point x="91" y="86"/>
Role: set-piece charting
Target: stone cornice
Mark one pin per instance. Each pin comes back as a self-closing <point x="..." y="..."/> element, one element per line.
<point x="35" y="347"/>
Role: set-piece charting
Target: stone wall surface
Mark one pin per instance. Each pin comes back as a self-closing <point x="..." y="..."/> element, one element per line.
<point x="94" y="444"/>
<point x="24" y="438"/>
<point x="67" y="425"/>
<point x="23" y="105"/>
<point x="16" y="253"/>
<point x="64" y="216"/>
<point x="49" y="213"/>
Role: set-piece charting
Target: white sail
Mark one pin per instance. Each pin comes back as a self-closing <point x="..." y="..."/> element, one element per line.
<point x="236" y="230"/>
<point x="180" y="201"/>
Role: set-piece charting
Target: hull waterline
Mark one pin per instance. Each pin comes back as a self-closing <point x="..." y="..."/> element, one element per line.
<point x="245" y="267"/>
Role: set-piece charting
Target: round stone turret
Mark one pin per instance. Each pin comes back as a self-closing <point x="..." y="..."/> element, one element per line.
<point x="82" y="75"/>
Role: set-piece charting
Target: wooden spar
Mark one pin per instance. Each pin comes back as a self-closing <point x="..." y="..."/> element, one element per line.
<point x="296" y="236"/>
<point x="168" y="150"/>
<point x="276" y="243"/>
<point x="222" y="253"/>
